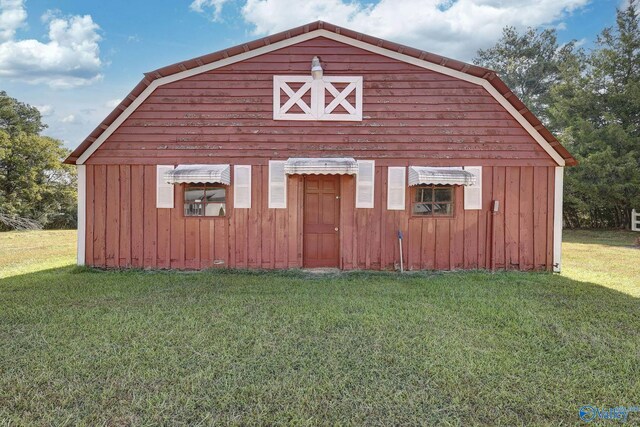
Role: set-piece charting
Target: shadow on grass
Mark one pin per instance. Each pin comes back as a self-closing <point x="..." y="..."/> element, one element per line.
<point x="615" y="237"/>
<point x="92" y="277"/>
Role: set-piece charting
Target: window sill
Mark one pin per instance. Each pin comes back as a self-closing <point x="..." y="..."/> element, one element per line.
<point x="432" y="217"/>
<point x="205" y="217"/>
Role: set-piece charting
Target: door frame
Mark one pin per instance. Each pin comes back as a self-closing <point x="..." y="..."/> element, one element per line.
<point x="339" y="237"/>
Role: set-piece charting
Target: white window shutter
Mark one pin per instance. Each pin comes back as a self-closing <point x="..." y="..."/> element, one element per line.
<point x="164" y="191"/>
<point x="473" y="193"/>
<point x="277" y="185"/>
<point x="365" y="183"/>
<point x="242" y="186"/>
<point x="396" y="188"/>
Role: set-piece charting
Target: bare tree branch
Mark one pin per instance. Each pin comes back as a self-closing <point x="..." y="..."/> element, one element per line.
<point x="19" y="223"/>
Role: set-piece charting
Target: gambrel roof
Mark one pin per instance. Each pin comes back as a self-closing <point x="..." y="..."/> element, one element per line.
<point x="472" y="73"/>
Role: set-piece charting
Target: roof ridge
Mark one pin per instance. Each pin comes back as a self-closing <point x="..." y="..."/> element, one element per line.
<point x="474" y="70"/>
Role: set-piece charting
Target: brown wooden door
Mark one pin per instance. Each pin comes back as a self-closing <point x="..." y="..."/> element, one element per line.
<point x="321" y="221"/>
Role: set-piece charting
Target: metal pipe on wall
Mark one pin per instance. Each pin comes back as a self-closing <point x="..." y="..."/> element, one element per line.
<point x="495" y="207"/>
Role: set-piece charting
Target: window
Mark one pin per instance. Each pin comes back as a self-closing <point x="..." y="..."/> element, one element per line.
<point x="205" y="200"/>
<point x="429" y="200"/>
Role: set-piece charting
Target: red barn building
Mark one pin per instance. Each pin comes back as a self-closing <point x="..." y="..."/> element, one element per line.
<point x="315" y="147"/>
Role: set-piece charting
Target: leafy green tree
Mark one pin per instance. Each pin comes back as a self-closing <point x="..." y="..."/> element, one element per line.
<point x="596" y="113"/>
<point x="34" y="183"/>
<point x="591" y="101"/>
<point x="530" y="64"/>
<point x="16" y="117"/>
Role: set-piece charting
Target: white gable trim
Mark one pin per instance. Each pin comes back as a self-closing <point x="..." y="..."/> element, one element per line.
<point x="333" y="36"/>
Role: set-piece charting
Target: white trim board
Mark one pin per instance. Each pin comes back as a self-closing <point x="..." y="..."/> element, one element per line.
<point x="332" y="36"/>
<point x="557" y="219"/>
<point x="82" y="213"/>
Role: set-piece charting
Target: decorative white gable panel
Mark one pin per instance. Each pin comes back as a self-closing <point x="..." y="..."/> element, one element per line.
<point x="324" y="97"/>
<point x="327" y="104"/>
<point x="292" y="98"/>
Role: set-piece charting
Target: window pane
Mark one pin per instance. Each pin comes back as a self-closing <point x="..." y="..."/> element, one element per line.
<point x="424" y="194"/>
<point x="215" y="195"/>
<point x="442" y="208"/>
<point x="443" y="194"/>
<point x="216" y="201"/>
<point x="193" y="209"/>
<point x="422" y="209"/>
<point x="193" y="194"/>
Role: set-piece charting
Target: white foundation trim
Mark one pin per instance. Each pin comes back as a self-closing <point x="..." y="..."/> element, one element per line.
<point x="333" y="36"/>
<point x="82" y="212"/>
<point x="557" y="220"/>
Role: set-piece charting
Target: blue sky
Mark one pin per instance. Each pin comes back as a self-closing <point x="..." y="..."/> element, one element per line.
<point x="76" y="59"/>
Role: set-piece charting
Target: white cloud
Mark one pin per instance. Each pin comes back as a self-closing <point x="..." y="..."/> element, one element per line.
<point x="45" y="110"/>
<point x="451" y="28"/>
<point x="12" y="17"/>
<point x="112" y="103"/>
<point x="68" y="119"/>
<point x="49" y="14"/>
<point x="70" y="57"/>
<point x="202" y="6"/>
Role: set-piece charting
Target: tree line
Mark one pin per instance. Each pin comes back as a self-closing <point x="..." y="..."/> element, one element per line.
<point x="589" y="99"/>
<point x="36" y="189"/>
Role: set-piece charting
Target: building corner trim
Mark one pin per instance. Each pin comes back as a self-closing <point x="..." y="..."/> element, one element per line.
<point x="82" y="212"/>
<point x="557" y="219"/>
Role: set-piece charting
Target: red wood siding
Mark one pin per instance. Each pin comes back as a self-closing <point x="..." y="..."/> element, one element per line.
<point x="409" y="113"/>
<point x="412" y="116"/>
<point x="272" y="238"/>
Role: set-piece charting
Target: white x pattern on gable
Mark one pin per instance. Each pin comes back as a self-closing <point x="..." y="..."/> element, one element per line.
<point x="318" y="88"/>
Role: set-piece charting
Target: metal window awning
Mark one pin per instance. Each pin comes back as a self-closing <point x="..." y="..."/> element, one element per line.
<point x="321" y="166"/>
<point x="206" y="174"/>
<point x="439" y="176"/>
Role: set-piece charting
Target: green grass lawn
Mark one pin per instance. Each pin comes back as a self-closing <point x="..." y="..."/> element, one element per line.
<point x="604" y="258"/>
<point x="79" y="346"/>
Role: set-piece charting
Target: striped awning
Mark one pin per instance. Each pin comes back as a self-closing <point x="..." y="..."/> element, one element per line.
<point x="209" y="174"/>
<point x="440" y="176"/>
<point x="321" y="166"/>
